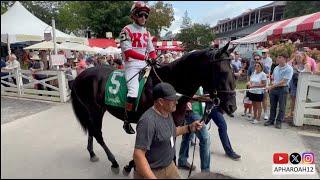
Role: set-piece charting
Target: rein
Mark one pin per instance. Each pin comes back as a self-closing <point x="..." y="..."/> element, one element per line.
<point x="207" y="111"/>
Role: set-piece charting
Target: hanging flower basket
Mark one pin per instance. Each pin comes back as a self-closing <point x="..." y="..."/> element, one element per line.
<point x="288" y="47"/>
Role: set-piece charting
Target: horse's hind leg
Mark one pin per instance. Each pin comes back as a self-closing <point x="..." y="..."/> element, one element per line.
<point x="93" y="157"/>
<point x="98" y="135"/>
<point x="115" y="165"/>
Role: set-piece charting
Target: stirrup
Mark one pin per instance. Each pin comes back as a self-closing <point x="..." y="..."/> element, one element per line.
<point x="128" y="128"/>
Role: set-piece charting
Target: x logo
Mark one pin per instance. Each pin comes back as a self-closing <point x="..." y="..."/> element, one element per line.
<point x="295" y="158"/>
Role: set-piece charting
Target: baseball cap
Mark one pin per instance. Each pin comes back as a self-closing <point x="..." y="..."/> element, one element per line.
<point x="166" y="91"/>
<point x="258" y="52"/>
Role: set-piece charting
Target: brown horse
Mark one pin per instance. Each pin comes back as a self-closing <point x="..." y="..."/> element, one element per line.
<point x="209" y="68"/>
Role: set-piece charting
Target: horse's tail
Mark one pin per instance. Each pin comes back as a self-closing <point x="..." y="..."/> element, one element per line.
<point x="79" y="110"/>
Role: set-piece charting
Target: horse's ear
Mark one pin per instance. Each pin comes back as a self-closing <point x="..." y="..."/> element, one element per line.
<point x="232" y="49"/>
<point x="225" y="48"/>
<point x="222" y="50"/>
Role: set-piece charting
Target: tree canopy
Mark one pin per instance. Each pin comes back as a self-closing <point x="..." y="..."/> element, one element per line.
<point x="161" y="17"/>
<point x="198" y="36"/>
<point x="97" y="16"/>
<point x="300" y="8"/>
<point x="186" y="21"/>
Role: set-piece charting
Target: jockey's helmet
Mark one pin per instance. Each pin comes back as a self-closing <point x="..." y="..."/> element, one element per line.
<point x="137" y="7"/>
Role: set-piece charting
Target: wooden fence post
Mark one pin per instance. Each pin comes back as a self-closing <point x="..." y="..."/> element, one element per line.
<point x="18" y="80"/>
<point x="62" y="86"/>
<point x="302" y="89"/>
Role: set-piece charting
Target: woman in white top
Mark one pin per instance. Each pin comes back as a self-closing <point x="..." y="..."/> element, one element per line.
<point x="257" y="80"/>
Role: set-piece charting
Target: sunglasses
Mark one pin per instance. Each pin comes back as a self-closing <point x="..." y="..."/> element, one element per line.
<point x="141" y="14"/>
<point x="257" y="59"/>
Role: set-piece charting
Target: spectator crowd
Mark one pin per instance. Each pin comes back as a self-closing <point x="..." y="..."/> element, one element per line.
<point x="271" y="81"/>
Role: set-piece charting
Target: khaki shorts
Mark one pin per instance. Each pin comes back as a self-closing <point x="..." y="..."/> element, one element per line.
<point x="169" y="172"/>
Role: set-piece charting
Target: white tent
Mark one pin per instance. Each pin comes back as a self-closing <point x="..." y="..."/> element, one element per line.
<point x="46" y="45"/>
<point x="108" y="51"/>
<point x="77" y="47"/>
<point x="21" y="25"/>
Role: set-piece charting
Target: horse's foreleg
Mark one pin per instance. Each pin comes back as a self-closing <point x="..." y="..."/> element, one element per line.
<point x="127" y="169"/>
<point x="93" y="157"/>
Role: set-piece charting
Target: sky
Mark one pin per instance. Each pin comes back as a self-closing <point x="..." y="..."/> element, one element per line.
<point x="208" y="12"/>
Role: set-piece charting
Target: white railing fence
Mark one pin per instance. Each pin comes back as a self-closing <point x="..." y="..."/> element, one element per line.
<point x="307" y="107"/>
<point x="21" y="83"/>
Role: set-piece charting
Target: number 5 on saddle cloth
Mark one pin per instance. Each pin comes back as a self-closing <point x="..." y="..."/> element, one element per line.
<point x="116" y="88"/>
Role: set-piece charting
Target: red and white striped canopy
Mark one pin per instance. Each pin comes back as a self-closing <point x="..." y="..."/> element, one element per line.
<point x="297" y="24"/>
<point x="167" y="43"/>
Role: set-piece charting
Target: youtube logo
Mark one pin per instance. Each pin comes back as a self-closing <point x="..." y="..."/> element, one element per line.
<point x="280" y="158"/>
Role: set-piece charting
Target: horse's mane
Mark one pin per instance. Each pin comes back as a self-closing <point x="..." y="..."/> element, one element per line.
<point x="185" y="72"/>
<point x="195" y="55"/>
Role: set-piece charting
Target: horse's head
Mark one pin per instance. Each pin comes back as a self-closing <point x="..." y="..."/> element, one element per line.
<point x="221" y="82"/>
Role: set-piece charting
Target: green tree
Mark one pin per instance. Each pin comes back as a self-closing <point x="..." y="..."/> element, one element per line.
<point x="186" y="21"/>
<point x="106" y="16"/>
<point x="71" y="18"/>
<point x="300" y="8"/>
<point x="5" y="5"/>
<point x="161" y="17"/>
<point x="198" y="36"/>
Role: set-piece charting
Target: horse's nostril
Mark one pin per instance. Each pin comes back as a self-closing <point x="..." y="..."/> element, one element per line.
<point x="232" y="108"/>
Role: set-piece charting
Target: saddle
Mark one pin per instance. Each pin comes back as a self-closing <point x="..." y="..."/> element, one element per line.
<point x="116" y="88"/>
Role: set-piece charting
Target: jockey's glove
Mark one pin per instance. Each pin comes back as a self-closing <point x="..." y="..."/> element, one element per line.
<point x="151" y="62"/>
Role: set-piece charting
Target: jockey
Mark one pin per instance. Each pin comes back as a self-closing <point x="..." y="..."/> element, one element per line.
<point x="135" y="42"/>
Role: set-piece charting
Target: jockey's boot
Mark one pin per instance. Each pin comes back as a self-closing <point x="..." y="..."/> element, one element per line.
<point x="129" y="110"/>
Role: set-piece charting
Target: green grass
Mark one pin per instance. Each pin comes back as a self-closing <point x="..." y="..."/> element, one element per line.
<point x="241" y="84"/>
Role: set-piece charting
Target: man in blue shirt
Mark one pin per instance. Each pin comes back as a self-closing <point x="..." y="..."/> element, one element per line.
<point x="236" y="61"/>
<point x="279" y="89"/>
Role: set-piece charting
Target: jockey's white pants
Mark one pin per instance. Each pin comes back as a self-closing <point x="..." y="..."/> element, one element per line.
<point x="132" y="68"/>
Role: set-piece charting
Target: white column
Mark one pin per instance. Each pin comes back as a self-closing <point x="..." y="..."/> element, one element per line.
<point x="54" y="36"/>
<point x="249" y="19"/>
<point x="273" y="12"/>
<point x="8" y="44"/>
<point x="237" y="23"/>
<point x="242" y="20"/>
<point x="231" y="24"/>
<point x="259" y="17"/>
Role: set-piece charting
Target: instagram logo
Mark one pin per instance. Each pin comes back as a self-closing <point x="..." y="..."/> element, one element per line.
<point x="308" y="158"/>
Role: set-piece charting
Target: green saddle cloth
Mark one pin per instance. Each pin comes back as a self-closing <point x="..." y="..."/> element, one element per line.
<point x="116" y="89"/>
<point x="198" y="107"/>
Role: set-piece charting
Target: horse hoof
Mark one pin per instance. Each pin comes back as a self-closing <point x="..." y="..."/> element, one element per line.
<point x="94" y="159"/>
<point x="115" y="170"/>
<point x="126" y="171"/>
